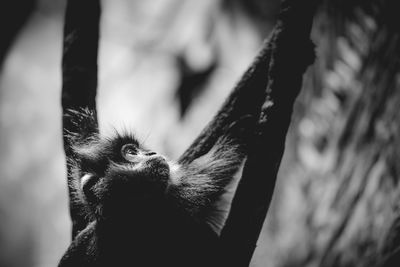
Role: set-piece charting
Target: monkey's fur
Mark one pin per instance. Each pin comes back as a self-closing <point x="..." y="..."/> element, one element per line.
<point x="140" y="208"/>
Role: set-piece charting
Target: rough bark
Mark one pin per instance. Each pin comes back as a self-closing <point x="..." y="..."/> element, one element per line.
<point x="342" y="193"/>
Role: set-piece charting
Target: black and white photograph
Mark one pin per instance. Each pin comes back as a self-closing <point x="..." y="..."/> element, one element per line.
<point x="199" y="133"/>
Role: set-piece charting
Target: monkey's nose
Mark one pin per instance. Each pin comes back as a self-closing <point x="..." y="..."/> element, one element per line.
<point x="156" y="158"/>
<point x="155" y="161"/>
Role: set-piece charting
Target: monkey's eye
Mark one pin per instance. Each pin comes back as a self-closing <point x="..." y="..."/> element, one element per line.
<point x="129" y="152"/>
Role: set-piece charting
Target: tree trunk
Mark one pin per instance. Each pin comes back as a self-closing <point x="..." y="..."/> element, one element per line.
<point x="340" y="202"/>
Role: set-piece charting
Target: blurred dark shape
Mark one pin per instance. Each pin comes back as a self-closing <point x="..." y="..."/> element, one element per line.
<point x="192" y="81"/>
<point x="13" y="15"/>
<point x="51" y="7"/>
<point x="260" y="12"/>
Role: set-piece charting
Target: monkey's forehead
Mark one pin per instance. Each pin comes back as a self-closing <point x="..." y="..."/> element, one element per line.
<point x="104" y="146"/>
<point x="119" y="139"/>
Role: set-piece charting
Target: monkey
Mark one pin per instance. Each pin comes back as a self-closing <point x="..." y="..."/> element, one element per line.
<point x="130" y="206"/>
<point x="143" y="209"/>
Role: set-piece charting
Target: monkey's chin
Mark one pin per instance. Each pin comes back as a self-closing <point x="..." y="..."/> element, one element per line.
<point x="137" y="207"/>
<point x="118" y="195"/>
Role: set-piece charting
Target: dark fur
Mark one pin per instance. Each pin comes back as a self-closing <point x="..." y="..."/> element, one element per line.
<point x="147" y="211"/>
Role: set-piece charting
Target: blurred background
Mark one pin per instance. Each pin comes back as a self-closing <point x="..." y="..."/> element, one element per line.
<point x="165" y="67"/>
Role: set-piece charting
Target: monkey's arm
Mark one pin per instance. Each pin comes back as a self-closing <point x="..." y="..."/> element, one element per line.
<point x="79" y="72"/>
<point x="200" y="183"/>
<point x="292" y="52"/>
<point x="266" y="93"/>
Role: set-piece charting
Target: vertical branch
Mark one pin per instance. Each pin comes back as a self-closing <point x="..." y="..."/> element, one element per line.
<point x="291" y="53"/>
<point x="79" y="72"/>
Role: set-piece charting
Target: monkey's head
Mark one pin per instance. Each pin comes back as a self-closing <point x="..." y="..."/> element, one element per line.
<point x="118" y="175"/>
